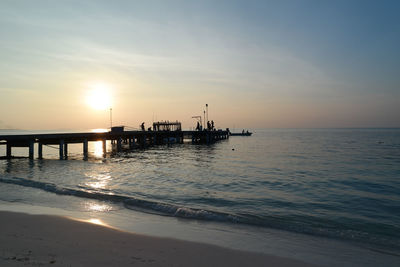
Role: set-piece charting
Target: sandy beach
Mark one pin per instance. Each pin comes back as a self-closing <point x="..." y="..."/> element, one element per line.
<point x="41" y="240"/>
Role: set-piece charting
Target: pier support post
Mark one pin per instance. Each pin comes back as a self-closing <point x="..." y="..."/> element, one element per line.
<point x="143" y="141"/>
<point x="31" y="149"/>
<point x="61" y="149"/>
<point x="40" y="150"/>
<point x="65" y="150"/>
<point x="119" y="144"/>
<point x="104" y="147"/>
<point x="131" y="142"/>
<point x="151" y="139"/>
<point x="85" y="149"/>
<point x="9" y="150"/>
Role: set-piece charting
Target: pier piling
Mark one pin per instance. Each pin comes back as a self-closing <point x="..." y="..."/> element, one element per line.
<point x="40" y="150"/>
<point x="61" y="149"/>
<point x="65" y="150"/>
<point x="130" y="143"/>
<point x="85" y="149"/>
<point x="31" y="149"/>
<point x="104" y="148"/>
<point x="9" y="150"/>
<point x="119" y="144"/>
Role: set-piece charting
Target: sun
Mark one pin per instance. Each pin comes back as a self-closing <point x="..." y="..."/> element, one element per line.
<point x="99" y="96"/>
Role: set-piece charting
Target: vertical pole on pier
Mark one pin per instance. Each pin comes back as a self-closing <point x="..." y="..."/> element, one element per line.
<point x="65" y="150"/>
<point x="204" y="112"/>
<point x="104" y="148"/>
<point x="8" y="150"/>
<point x="61" y="150"/>
<point x="31" y="148"/>
<point x="85" y="149"/>
<point x="40" y="150"/>
<point x="110" y="118"/>
<point x="207" y="111"/>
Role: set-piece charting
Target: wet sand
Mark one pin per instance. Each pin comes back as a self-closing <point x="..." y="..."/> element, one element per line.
<point x="41" y="240"/>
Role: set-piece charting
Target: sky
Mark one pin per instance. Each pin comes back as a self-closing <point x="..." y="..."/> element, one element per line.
<point x="257" y="64"/>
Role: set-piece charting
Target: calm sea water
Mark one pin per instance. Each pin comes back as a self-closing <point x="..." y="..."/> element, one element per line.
<point x="341" y="184"/>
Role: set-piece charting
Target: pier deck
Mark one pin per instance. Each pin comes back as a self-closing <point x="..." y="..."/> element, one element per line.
<point x="135" y="139"/>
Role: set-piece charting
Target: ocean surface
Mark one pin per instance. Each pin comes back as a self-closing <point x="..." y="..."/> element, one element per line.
<point x="339" y="185"/>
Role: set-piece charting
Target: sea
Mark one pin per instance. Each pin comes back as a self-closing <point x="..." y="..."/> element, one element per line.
<point x="324" y="196"/>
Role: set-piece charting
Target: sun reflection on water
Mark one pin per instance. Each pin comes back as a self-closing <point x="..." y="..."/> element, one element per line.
<point x="97" y="207"/>
<point x="98" y="181"/>
<point x="98" y="149"/>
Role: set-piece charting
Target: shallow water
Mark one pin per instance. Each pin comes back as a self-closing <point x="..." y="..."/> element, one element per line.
<point x="340" y="184"/>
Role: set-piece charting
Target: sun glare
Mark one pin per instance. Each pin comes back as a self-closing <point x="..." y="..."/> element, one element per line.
<point x="99" y="96"/>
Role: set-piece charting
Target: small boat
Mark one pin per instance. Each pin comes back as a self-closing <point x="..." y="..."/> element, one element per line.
<point x="241" y="134"/>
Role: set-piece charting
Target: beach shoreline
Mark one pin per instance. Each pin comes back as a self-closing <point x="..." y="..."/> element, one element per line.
<point x="60" y="241"/>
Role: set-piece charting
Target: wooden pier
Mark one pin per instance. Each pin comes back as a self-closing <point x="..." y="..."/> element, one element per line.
<point x="131" y="139"/>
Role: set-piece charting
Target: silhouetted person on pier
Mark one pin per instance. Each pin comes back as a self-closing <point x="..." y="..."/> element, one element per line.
<point x="208" y="125"/>
<point x="198" y="126"/>
<point x="142" y="126"/>
<point x="212" y="125"/>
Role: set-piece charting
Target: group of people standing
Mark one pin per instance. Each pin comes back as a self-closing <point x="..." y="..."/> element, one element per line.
<point x="143" y="128"/>
<point x="210" y="126"/>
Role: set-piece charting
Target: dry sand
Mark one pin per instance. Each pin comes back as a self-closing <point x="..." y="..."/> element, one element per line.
<point x="41" y="240"/>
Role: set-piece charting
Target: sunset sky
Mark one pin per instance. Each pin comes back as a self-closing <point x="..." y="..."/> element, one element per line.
<point x="258" y="64"/>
